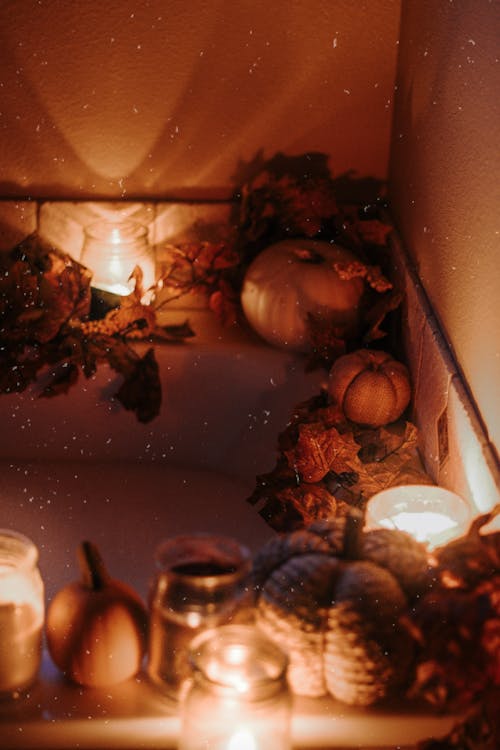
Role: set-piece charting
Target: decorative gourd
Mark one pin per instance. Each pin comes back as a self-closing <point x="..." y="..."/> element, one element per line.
<point x="292" y="279"/>
<point x="336" y="608"/>
<point x="370" y="386"/>
<point x="96" y="628"/>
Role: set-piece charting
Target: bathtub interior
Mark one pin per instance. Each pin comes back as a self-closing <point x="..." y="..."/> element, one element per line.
<point x="80" y="467"/>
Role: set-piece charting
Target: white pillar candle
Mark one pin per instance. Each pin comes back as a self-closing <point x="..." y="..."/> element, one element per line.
<point x="21" y="612"/>
<point x="431" y="514"/>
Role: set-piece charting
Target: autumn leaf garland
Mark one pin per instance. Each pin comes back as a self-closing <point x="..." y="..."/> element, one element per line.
<point x="326" y="464"/>
<point x="47" y="339"/>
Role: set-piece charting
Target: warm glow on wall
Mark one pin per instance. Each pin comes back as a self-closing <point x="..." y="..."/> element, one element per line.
<point x="149" y="99"/>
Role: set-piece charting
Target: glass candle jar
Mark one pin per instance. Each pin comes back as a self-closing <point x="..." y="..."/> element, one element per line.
<point x="202" y="582"/>
<point x="21" y="612"/>
<point x="112" y="250"/>
<point x="431" y="514"/>
<point x="238" y="697"/>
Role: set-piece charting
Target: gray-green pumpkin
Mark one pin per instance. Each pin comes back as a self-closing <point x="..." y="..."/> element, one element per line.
<point x="339" y="615"/>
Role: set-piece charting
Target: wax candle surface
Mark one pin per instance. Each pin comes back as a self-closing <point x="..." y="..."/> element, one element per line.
<point x="431" y="514"/>
<point x="21" y="623"/>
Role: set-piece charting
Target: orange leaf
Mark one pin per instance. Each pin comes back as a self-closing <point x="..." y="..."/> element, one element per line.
<point x="311" y="501"/>
<point x="372" y="274"/>
<point x="319" y="450"/>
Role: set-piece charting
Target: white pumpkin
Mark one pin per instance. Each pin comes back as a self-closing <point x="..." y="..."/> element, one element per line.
<point x="290" y="279"/>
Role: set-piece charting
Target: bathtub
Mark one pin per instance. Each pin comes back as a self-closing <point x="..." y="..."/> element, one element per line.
<point x="79" y="467"/>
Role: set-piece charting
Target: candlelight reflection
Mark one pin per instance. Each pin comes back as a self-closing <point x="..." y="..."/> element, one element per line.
<point x="242" y="739"/>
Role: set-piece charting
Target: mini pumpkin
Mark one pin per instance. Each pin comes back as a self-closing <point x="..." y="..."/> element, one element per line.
<point x="96" y="627"/>
<point x="338" y="617"/>
<point x="371" y="387"/>
<point x="292" y="279"/>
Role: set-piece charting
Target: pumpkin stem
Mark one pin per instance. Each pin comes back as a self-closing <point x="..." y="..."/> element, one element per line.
<point x="352" y="534"/>
<point x="93" y="571"/>
<point x="306" y="255"/>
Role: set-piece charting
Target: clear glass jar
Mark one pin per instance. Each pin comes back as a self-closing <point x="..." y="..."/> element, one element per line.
<point x="238" y="698"/>
<point x="21" y="612"/>
<point x="202" y="582"/>
<point x="111" y="250"/>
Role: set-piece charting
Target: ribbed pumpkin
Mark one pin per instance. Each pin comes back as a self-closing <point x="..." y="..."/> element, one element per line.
<point x="292" y="279"/>
<point x="96" y="627"/>
<point x="338" y="617"/>
<point x="370" y="386"/>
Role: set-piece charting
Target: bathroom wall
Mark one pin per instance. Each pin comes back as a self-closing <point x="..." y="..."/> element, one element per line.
<point x="166" y="98"/>
<point x="444" y="185"/>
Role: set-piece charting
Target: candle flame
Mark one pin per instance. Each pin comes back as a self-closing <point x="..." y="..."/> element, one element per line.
<point x="426" y="526"/>
<point x="115" y="236"/>
<point x="242" y="739"/>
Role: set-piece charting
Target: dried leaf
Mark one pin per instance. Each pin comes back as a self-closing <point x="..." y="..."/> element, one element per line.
<point x="312" y="502"/>
<point x="61" y="379"/>
<point x="141" y="389"/>
<point x="131" y="319"/>
<point x="286" y="203"/>
<point x="372" y="274"/>
<point x="457" y="661"/>
<point x="398" y="467"/>
<point x="377" y="312"/>
<point x="224" y="302"/>
<point x="472" y="558"/>
<point x="41" y="289"/>
<point x="326" y="343"/>
<point x="319" y="451"/>
<point x="380" y="442"/>
<point x="479" y="729"/>
<point x="198" y="267"/>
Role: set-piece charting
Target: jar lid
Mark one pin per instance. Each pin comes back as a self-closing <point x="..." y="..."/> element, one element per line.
<point x="17" y="550"/>
<point x="203" y="560"/>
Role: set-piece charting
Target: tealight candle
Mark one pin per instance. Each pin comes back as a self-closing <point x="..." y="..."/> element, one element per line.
<point x="112" y="250"/>
<point x="21" y="612"/>
<point x="431" y="514"/>
<point x="238" y="699"/>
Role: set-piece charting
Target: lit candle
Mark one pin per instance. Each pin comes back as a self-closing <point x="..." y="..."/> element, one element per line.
<point x="431" y="514"/>
<point x="238" y="699"/>
<point x="21" y="612"/>
<point x="242" y="739"/>
<point x="112" y="251"/>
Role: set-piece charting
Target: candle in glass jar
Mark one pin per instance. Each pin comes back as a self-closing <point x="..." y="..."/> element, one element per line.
<point x="238" y="697"/>
<point x="112" y="251"/>
<point x="431" y="514"/>
<point x="21" y="612"/>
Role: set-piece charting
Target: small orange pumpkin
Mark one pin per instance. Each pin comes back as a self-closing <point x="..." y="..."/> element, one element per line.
<point x="96" y="627"/>
<point x="370" y="386"/>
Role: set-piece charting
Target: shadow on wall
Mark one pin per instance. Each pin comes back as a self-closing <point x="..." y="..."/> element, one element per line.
<point x="138" y="102"/>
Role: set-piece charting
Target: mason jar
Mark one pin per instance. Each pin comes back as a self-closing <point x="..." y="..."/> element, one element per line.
<point x="112" y="249"/>
<point x="238" y="697"/>
<point x="203" y="581"/>
<point x="21" y="613"/>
